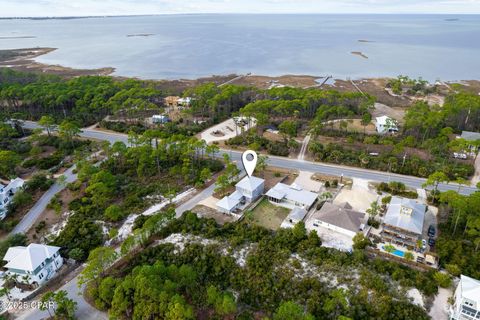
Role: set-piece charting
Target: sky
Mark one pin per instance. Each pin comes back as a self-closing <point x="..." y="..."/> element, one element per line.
<point x="35" y="8"/>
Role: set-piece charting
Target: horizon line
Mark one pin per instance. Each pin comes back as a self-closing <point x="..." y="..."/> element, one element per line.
<point x="232" y="13"/>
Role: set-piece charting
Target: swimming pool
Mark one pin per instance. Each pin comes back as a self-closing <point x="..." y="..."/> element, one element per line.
<point x="396" y="252"/>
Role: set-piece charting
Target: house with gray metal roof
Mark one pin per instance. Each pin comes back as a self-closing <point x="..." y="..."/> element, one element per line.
<point x="247" y="190"/>
<point x="470" y="136"/>
<point x="295" y="216"/>
<point x="291" y="196"/>
<point x="403" y="222"/>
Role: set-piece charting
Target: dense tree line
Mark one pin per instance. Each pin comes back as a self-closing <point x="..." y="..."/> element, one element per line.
<point x="218" y="103"/>
<point x="306" y="104"/>
<point x="85" y="100"/>
<point x="458" y="245"/>
<point x="392" y="161"/>
<point x="166" y="129"/>
<point x="118" y="186"/>
<point x="461" y="111"/>
<point x="269" y="284"/>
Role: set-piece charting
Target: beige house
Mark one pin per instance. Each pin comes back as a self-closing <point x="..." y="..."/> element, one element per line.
<point x="339" y="218"/>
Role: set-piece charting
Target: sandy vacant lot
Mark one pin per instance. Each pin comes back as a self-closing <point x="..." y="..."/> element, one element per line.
<point x="304" y="180"/>
<point x="223" y="131"/>
<point x="359" y="197"/>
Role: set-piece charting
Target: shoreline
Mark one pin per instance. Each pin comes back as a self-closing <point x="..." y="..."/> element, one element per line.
<point x="23" y="59"/>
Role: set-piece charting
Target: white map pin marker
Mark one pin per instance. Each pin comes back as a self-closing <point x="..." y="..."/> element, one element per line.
<point x="249" y="160"/>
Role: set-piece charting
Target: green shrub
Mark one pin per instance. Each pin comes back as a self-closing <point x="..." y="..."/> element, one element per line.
<point x="40" y="226"/>
<point x="373" y="222"/>
<point x="76" y="254"/>
<point x="38" y="182"/>
<point x="55" y="204"/>
<point x="114" y="213"/>
<point x="443" y="279"/>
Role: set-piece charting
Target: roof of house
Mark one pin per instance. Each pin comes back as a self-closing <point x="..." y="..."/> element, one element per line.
<point x="14" y="184"/>
<point x="406" y="214"/>
<point x="293" y="193"/>
<point x="228" y="203"/>
<point x="28" y="258"/>
<point x="250" y="183"/>
<point x="470" y="136"/>
<point x="470" y="288"/>
<point x="185" y="100"/>
<point x="382" y="120"/>
<point x="341" y="216"/>
<point x="297" y="214"/>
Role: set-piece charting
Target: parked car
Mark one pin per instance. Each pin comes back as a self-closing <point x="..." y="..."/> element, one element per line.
<point x="424" y="243"/>
<point x="431" y="242"/>
<point x="460" y="155"/>
<point x="431" y="231"/>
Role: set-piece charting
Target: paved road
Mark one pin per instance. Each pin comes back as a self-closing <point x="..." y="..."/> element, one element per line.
<point x="192" y="202"/>
<point x="287" y="163"/>
<point x="84" y="310"/>
<point x="29" y="219"/>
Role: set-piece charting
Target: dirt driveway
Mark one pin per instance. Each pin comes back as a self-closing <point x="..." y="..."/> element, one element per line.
<point x="384" y="110"/>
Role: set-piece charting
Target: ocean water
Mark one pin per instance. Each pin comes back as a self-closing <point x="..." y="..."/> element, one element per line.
<point x="190" y="46"/>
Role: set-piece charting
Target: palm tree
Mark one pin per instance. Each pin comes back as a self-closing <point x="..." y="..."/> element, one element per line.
<point x="409" y="256"/>
<point x="26" y="279"/>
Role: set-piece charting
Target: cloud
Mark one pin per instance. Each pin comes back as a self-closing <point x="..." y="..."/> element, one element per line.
<point x="126" y="7"/>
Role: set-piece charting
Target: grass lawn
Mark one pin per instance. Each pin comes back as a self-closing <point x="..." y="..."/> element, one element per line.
<point x="268" y="215"/>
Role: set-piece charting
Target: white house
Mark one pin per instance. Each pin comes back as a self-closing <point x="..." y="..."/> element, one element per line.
<point x="291" y="196"/>
<point x="339" y="218"/>
<point x="247" y="190"/>
<point x="471" y="137"/>
<point x="184" y="102"/>
<point x="160" y="119"/>
<point x="467" y="300"/>
<point x="34" y="264"/>
<point x="174" y="101"/>
<point x="386" y="124"/>
<point x="6" y="194"/>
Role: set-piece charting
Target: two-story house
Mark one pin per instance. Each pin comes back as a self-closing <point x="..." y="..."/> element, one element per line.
<point x="6" y="194"/>
<point x="247" y="190"/>
<point x="34" y="264"/>
<point x="467" y="300"/>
